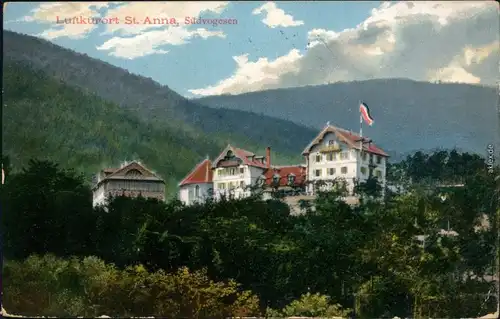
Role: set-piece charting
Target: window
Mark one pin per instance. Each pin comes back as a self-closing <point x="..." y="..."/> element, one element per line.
<point x="365" y="156"/>
<point x="197" y="191"/>
<point x="261" y="181"/>
<point x="330" y="157"/>
<point x="291" y="179"/>
<point x="276" y="179"/>
<point x="331" y="171"/>
<point x="231" y="185"/>
<point x="331" y="142"/>
<point x="378" y="173"/>
<point x="317" y="172"/>
<point x="242" y="170"/>
<point x="363" y="170"/>
<point x="379" y="159"/>
<point x="133" y="173"/>
<point x="222" y="186"/>
<point x="242" y="184"/>
<point x="190" y="194"/>
<point x="232" y="171"/>
<point x="343" y="170"/>
<point x="318" y="158"/>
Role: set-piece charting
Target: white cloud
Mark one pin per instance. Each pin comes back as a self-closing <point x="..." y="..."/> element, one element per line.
<point x="259" y="74"/>
<point x="131" y="40"/>
<point x="136" y="40"/>
<point x="427" y="41"/>
<point x="142" y="10"/>
<point x="276" y="17"/>
<point x="148" y="42"/>
<point x="50" y="13"/>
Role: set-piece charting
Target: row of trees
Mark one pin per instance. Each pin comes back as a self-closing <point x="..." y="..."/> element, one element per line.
<point x="364" y="258"/>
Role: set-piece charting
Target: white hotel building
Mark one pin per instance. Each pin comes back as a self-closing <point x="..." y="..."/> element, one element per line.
<point x="337" y="154"/>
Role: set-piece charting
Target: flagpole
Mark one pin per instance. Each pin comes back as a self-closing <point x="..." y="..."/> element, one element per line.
<point x="360" y="130"/>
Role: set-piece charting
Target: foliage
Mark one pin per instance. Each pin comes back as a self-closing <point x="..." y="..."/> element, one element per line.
<point x="89" y="287"/>
<point x="314" y="305"/>
<point x="365" y="257"/>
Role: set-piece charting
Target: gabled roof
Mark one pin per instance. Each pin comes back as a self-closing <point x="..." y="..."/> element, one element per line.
<point x="241" y="154"/>
<point x="351" y="139"/>
<point x="201" y="174"/>
<point x="134" y="165"/>
<point x="299" y="171"/>
<point x="120" y="173"/>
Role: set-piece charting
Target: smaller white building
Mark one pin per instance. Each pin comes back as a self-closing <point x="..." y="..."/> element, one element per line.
<point x="197" y="185"/>
<point x="235" y="169"/>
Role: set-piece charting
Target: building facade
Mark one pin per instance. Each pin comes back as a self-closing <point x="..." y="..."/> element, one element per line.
<point x="131" y="179"/>
<point x="337" y="154"/>
<point x="334" y="155"/>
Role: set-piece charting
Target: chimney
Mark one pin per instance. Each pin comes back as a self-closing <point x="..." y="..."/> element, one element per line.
<point x="268" y="157"/>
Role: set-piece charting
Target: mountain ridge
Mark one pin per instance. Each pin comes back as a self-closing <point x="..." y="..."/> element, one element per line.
<point x="152" y="101"/>
<point x="408" y="114"/>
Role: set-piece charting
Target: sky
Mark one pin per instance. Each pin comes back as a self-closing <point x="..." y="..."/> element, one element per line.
<point x="267" y="45"/>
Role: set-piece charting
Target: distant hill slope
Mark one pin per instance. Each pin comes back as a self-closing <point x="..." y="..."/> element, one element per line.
<point x="88" y="114"/>
<point x="408" y="115"/>
<point x="157" y="103"/>
<point x="46" y="119"/>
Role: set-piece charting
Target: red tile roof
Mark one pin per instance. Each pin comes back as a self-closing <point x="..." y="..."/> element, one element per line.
<point x="243" y="155"/>
<point x="202" y="173"/>
<point x="352" y="139"/>
<point x="284" y="171"/>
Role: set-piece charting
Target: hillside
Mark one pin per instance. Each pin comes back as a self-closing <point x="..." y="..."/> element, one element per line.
<point x="408" y="115"/>
<point x="152" y="101"/>
<point x="86" y="114"/>
<point x="46" y="119"/>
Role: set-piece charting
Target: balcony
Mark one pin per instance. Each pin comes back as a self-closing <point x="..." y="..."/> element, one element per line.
<point x="330" y="148"/>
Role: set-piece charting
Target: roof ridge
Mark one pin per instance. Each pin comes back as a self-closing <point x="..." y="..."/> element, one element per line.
<point x="198" y="166"/>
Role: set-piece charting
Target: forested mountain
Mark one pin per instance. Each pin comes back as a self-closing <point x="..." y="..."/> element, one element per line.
<point x="84" y="113"/>
<point x="408" y="115"/>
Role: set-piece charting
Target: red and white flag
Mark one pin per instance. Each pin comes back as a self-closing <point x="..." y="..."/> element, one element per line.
<point x="365" y="113"/>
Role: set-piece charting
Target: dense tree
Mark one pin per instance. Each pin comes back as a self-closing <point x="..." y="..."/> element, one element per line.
<point x="419" y="252"/>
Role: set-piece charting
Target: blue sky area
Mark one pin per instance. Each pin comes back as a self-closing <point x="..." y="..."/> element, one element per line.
<point x="203" y="62"/>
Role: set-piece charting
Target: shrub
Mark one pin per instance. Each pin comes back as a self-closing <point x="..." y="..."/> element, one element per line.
<point x="51" y="286"/>
<point x="311" y="305"/>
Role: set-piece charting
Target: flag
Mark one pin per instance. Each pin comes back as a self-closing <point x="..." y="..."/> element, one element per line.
<point x="365" y="113"/>
<point x="3" y="175"/>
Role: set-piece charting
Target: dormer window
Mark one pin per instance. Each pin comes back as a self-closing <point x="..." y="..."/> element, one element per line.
<point x="291" y="179"/>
